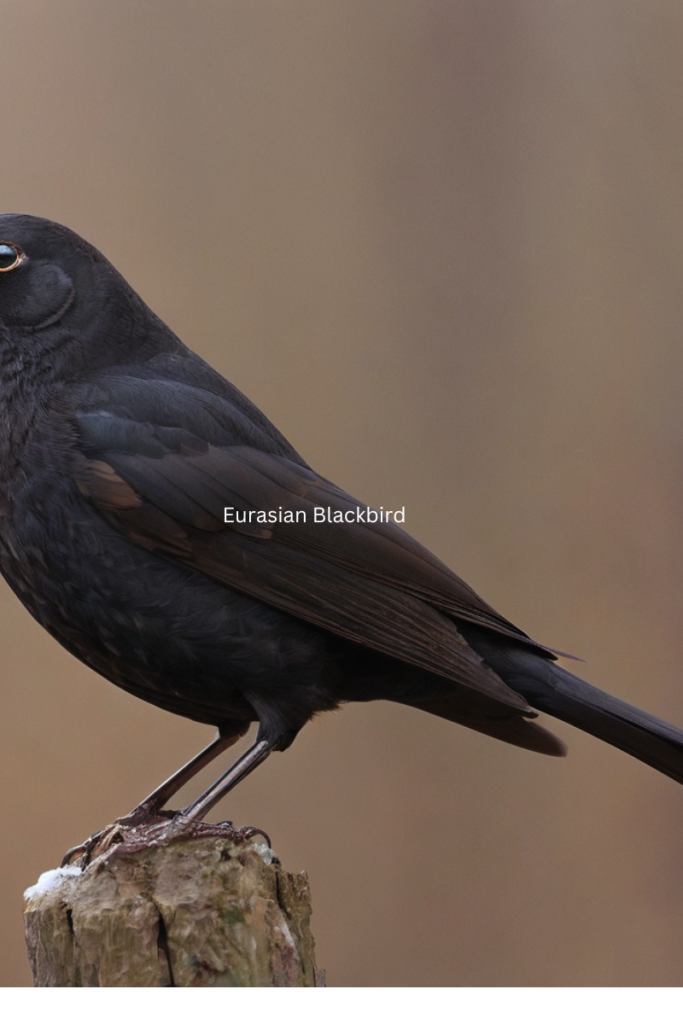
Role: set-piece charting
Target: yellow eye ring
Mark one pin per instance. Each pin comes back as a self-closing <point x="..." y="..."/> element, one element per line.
<point x="12" y="252"/>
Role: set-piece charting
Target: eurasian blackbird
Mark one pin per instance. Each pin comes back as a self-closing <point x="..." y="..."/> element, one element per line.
<point x="164" y="532"/>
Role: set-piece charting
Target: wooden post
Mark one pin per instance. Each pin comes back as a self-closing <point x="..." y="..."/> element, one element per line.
<point x="168" y="906"/>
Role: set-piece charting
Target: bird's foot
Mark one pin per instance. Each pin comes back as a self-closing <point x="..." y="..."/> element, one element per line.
<point x="148" y="826"/>
<point x="142" y="816"/>
<point x="188" y="826"/>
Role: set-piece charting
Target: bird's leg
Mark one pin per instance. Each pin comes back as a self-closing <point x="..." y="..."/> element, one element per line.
<point x="158" y="797"/>
<point x="150" y="807"/>
<point x="241" y="768"/>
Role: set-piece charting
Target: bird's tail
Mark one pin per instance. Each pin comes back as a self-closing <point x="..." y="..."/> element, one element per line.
<point x="565" y="696"/>
<point x="549" y="688"/>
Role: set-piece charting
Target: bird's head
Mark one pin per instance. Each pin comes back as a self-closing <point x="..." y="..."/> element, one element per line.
<point x="57" y="292"/>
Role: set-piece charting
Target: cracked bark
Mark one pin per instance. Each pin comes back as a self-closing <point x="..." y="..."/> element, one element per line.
<point x="181" y="911"/>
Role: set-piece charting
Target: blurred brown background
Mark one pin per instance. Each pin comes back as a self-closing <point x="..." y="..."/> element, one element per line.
<point x="440" y="243"/>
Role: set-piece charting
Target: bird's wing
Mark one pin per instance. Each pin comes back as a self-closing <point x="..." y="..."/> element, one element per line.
<point x="167" y="488"/>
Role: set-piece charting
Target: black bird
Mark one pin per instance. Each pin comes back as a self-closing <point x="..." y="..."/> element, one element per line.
<point x="120" y="450"/>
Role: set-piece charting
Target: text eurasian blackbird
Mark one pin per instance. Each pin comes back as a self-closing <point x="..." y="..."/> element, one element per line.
<point x="120" y="452"/>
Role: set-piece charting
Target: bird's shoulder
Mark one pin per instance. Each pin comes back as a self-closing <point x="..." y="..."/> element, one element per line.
<point x="175" y="395"/>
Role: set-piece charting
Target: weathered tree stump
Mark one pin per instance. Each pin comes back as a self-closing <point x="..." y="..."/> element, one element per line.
<point x="172" y="908"/>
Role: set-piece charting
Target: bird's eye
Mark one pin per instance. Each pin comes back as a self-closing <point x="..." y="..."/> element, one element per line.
<point x="11" y="256"/>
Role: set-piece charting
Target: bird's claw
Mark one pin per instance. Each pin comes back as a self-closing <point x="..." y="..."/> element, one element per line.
<point x="247" y="831"/>
<point x="98" y="841"/>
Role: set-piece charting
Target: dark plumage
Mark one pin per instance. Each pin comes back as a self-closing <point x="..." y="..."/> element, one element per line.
<point x="120" y="450"/>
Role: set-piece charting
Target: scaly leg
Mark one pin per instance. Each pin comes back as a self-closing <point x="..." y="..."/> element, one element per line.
<point x="241" y="768"/>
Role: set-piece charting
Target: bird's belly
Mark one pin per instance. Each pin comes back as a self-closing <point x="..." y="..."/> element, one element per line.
<point x="161" y="630"/>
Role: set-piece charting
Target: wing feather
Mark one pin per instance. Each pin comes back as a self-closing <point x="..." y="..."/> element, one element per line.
<point x="166" y="488"/>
